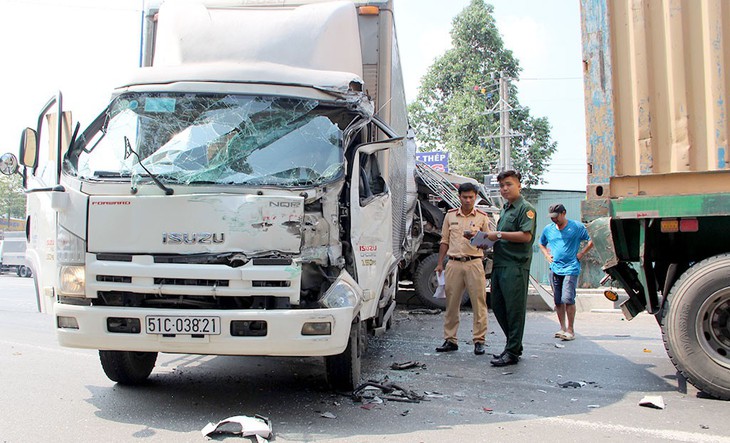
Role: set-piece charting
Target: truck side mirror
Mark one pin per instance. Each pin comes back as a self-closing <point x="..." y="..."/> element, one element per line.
<point x="29" y="148"/>
<point x="8" y="164"/>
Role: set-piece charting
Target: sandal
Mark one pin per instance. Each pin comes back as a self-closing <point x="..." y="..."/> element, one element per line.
<point x="568" y="336"/>
<point x="560" y="334"/>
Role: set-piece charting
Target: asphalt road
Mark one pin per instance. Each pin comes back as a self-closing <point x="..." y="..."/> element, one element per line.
<point x="56" y="394"/>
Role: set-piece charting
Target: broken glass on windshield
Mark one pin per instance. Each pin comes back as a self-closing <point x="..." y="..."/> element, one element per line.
<point x="207" y="138"/>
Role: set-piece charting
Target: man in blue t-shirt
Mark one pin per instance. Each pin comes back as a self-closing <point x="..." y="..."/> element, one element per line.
<point x="559" y="243"/>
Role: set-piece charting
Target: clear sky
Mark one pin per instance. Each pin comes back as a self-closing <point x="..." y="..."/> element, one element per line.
<point x="85" y="47"/>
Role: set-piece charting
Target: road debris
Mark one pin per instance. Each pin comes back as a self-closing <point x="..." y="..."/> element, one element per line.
<point x="594" y="406"/>
<point x="385" y="391"/>
<point x="257" y="426"/>
<point x="648" y="351"/>
<point x="433" y="394"/>
<point x="572" y="384"/>
<point x="407" y="365"/>
<point x="327" y="415"/>
<point x="406" y="412"/>
<point x="487" y="409"/>
<point x="559" y="346"/>
<point x="652" y="401"/>
<point x="423" y="311"/>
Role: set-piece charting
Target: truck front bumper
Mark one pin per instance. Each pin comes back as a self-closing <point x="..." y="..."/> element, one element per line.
<point x="283" y="331"/>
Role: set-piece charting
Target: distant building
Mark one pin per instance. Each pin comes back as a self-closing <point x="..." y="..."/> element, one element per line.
<point x="12" y="224"/>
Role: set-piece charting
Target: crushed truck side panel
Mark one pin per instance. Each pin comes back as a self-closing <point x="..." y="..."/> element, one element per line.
<point x="658" y="196"/>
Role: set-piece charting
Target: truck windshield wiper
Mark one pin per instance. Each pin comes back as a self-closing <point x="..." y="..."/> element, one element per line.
<point x="127" y="151"/>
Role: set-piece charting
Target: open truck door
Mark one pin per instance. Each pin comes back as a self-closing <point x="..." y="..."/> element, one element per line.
<point x="41" y="150"/>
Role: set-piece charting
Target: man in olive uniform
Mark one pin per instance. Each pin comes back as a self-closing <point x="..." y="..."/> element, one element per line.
<point x="511" y="270"/>
<point x="464" y="269"/>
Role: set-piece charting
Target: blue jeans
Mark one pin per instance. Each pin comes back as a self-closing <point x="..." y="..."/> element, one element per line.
<point x="563" y="288"/>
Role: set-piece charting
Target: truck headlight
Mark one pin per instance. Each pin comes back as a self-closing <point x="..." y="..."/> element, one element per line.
<point x="70" y="256"/>
<point x="344" y="293"/>
<point x="72" y="281"/>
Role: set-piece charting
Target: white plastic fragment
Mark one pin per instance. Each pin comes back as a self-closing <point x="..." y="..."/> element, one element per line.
<point x="328" y="415"/>
<point x="257" y="426"/>
<point x="652" y="401"/>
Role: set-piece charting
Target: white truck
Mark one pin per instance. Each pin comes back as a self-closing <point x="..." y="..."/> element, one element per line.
<point x="12" y="254"/>
<point x="249" y="192"/>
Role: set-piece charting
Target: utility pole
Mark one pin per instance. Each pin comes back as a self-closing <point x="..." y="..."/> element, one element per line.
<point x="505" y="145"/>
<point x="503" y="108"/>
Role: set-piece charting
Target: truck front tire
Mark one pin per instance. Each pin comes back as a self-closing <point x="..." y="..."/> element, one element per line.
<point x="343" y="370"/>
<point x="696" y="325"/>
<point x="127" y="368"/>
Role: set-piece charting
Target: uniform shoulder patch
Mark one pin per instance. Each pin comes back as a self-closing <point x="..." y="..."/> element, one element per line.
<point x="530" y="214"/>
<point x="481" y="212"/>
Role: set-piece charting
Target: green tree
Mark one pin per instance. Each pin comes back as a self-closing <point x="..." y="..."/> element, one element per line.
<point x="459" y="88"/>
<point x="12" y="198"/>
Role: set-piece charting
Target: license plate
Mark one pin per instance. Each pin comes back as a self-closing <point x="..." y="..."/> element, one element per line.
<point x="159" y="324"/>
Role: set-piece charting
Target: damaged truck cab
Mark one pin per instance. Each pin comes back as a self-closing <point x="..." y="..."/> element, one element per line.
<point x="240" y="196"/>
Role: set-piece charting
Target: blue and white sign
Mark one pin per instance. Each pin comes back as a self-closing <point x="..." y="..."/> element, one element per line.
<point x="438" y="160"/>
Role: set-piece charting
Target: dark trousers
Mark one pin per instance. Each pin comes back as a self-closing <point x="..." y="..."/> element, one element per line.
<point x="509" y="304"/>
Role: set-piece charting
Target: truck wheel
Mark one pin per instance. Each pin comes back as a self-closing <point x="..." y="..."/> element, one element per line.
<point x="127" y="368"/>
<point x="24" y="272"/>
<point x="343" y="370"/>
<point x="425" y="283"/>
<point x="696" y="325"/>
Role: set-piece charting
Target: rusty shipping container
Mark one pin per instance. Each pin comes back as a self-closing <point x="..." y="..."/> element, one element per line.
<point x="656" y="85"/>
<point x="658" y="206"/>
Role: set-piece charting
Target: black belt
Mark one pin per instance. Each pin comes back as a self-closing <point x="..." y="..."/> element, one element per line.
<point x="464" y="258"/>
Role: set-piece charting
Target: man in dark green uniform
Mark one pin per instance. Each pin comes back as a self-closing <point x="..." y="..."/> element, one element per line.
<point x="511" y="270"/>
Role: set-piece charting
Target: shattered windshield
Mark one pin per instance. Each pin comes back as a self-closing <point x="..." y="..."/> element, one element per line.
<point x="190" y="138"/>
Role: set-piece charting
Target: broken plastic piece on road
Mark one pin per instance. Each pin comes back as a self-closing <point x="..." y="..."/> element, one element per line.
<point x="425" y="311"/>
<point x="559" y="346"/>
<point x="327" y="415"/>
<point x="487" y="409"/>
<point x="572" y="384"/>
<point x="407" y="365"/>
<point x="647" y="350"/>
<point x="257" y="426"/>
<point x="390" y="391"/>
<point x="652" y="401"/>
<point x="594" y="406"/>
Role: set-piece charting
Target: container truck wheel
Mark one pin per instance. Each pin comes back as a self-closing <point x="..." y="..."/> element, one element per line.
<point x="696" y="325"/>
<point x="127" y="368"/>
<point x="24" y="271"/>
<point x="425" y="283"/>
<point x="343" y="370"/>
